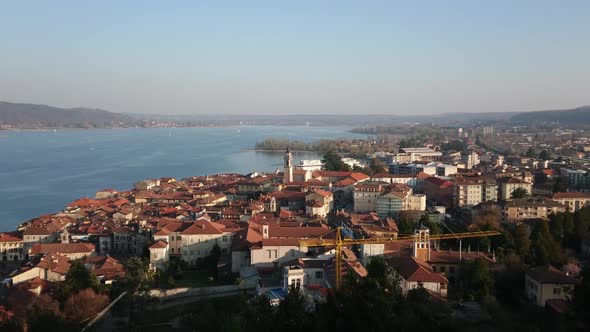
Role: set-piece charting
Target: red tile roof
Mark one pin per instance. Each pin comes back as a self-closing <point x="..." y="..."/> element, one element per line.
<point x="159" y="245"/>
<point x="297" y="232"/>
<point x="452" y="257"/>
<point x="412" y="269"/>
<point x="7" y="237"/>
<point x="359" y="176"/>
<point x="57" y="263"/>
<point x="203" y="227"/>
<point x="331" y="174"/>
<point x="62" y="248"/>
<point x="348" y="181"/>
<point x="508" y="180"/>
<point x="571" y="194"/>
<point x="550" y="275"/>
<point x="442" y="184"/>
<point x="324" y="193"/>
<point x="41" y="230"/>
<point x="106" y="266"/>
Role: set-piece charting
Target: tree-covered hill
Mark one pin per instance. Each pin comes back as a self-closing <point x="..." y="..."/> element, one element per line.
<point x="31" y="116"/>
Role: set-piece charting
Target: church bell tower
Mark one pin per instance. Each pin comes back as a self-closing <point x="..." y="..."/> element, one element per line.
<point x="288" y="175"/>
<point x="422" y="243"/>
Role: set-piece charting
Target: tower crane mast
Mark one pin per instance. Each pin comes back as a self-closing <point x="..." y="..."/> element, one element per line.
<point x="339" y="242"/>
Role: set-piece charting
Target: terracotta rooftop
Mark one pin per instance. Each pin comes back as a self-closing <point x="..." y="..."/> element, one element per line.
<point x="511" y="180"/>
<point x="534" y="201"/>
<point x="571" y="194"/>
<point x="105" y="266"/>
<point x="204" y="227"/>
<point x="324" y="193"/>
<point x="8" y="237"/>
<point x="56" y="263"/>
<point x="439" y="182"/>
<point x="62" y="248"/>
<point x="412" y="269"/>
<point x="159" y="245"/>
<point x="41" y="230"/>
<point x="550" y="275"/>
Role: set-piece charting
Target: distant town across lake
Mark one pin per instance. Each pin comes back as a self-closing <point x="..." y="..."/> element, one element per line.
<point x="42" y="171"/>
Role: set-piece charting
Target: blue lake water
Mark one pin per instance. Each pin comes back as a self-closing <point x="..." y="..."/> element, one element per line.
<point x="42" y="171"/>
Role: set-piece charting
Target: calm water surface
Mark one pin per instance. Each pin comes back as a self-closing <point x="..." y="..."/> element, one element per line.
<point x="40" y="172"/>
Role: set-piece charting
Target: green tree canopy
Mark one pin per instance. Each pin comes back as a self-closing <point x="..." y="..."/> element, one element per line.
<point x="79" y="277"/>
<point x="544" y="249"/>
<point x="544" y="155"/>
<point x="405" y="226"/>
<point x="522" y="241"/>
<point x="476" y="280"/>
<point x="581" y="298"/>
<point x="519" y="193"/>
<point x="530" y="153"/>
<point x="333" y="162"/>
<point x="559" y="186"/>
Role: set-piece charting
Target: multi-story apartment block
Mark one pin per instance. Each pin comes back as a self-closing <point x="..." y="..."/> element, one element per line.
<point x="508" y="185"/>
<point x="531" y="208"/>
<point x="573" y="177"/>
<point x="386" y="199"/>
<point x="472" y="191"/>
<point x="573" y="201"/>
<point x="471" y="159"/>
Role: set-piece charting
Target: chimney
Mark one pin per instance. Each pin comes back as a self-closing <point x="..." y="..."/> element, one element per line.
<point x="265" y="231"/>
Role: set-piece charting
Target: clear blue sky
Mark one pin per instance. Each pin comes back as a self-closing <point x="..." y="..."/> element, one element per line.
<point x="179" y="57"/>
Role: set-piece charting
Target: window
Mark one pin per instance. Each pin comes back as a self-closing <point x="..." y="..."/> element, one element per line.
<point x="452" y="269"/>
<point x="557" y="291"/>
<point x="178" y="238"/>
<point x="224" y="239"/>
<point x="276" y="253"/>
<point x="443" y="269"/>
<point x="269" y="253"/>
<point x="319" y="274"/>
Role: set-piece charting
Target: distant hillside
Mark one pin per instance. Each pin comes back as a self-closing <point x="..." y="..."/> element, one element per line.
<point x="573" y="117"/>
<point x="31" y="116"/>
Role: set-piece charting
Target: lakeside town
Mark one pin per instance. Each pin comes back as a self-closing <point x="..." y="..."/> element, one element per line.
<point x="474" y="227"/>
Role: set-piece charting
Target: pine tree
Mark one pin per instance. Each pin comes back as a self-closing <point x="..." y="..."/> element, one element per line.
<point x="522" y="241"/>
<point x="545" y="250"/>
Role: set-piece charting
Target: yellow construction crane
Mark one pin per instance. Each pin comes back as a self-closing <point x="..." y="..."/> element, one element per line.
<point x="339" y="242"/>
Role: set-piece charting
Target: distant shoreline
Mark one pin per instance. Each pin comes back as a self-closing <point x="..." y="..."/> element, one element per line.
<point x="177" y="127"/>
<point x="282" y="150"/>
<point x="112" y="128"/>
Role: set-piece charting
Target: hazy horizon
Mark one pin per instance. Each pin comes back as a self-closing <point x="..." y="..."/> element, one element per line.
<point x="337" y="57"/>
